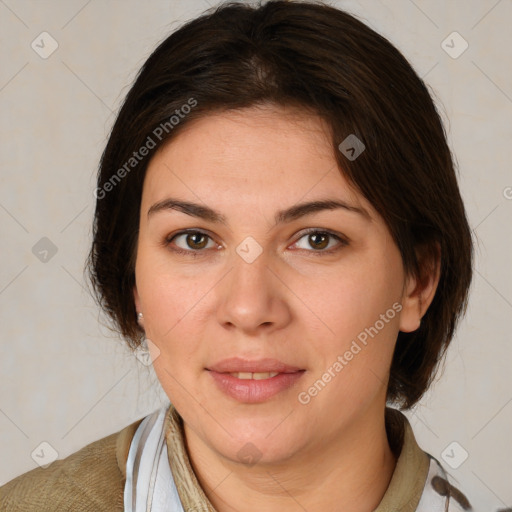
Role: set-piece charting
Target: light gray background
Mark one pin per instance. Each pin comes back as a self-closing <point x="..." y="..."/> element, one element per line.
<point x="66" y="379"/>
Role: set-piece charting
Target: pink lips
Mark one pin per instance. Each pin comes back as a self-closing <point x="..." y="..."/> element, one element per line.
<point x="237" y="364"/>
<point x="251" y="390"/>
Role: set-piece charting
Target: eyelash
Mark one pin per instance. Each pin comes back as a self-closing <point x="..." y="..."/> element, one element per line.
<point x="343" y="242"/>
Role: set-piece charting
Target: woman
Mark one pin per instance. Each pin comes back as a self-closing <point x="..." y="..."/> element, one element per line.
<point x="278" y="222"/>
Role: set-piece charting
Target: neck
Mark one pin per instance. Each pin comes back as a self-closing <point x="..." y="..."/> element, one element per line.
<point x="349" y="472"/>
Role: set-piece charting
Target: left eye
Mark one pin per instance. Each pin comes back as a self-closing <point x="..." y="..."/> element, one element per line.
<point x="319" y="240"/>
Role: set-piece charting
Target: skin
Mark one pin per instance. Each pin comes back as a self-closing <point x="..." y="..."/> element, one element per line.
<point x="293" y="303"/>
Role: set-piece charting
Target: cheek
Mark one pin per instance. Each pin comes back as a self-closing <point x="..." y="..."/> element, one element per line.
<point x="359" y="296"/>
<point x="172" y="307"/>
<point x="362" y="312"/>
<point x="170" y="304"/>
<point x="169" y="294"/>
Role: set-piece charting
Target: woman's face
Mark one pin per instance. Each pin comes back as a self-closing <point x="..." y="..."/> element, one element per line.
<point x="269" y="336"/>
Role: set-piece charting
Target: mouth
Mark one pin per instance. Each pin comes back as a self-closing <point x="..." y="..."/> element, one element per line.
<point x="253" y="376"/>
<point x="253" y="381"/>
<point x="256" y="366"/>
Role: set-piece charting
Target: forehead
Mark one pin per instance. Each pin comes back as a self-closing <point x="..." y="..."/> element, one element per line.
<point x="265" y="153"/>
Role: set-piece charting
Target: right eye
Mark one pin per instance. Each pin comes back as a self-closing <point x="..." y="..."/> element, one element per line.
<point x="192" y="242"/>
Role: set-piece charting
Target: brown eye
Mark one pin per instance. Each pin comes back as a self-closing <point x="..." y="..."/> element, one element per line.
<point x="196" y="240"/>
<point x="320" y="242"/>
<point x="189" y="241"/>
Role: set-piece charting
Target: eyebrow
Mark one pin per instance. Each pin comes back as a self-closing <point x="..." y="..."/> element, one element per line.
<point x="282" y="216"/>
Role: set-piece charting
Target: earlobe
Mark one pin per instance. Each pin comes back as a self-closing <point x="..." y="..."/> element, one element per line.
<point x="138" y="307"/>
<point x="419" y="292"/>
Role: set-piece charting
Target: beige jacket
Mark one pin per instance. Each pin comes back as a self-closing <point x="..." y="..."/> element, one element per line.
<point x="92" y="479"/>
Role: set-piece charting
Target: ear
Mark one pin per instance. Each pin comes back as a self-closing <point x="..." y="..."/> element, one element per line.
<point x="419" y="291"/>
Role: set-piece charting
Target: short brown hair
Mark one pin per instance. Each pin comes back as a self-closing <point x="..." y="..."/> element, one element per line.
<point x="325" y="61"/>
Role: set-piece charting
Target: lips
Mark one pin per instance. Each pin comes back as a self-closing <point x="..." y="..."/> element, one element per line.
<point x="239" y="365"/>
<point x="253" y="381"/>
<point x="254" y="376"/>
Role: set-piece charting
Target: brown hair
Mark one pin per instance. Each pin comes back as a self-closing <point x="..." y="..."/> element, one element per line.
<point x="325" y="61"/>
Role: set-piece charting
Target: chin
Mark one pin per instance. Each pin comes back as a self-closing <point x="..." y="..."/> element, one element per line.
<point x="256" y="440"/>
<point x="259" y="451"/>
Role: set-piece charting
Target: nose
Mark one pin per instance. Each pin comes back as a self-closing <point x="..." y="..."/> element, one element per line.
<point x="253" y="297"/>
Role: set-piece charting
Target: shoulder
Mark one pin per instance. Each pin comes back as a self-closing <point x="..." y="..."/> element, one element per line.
<point x="91" y="479"/>
<point x="430" y="486"/>
<point x="441" y="492"/>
